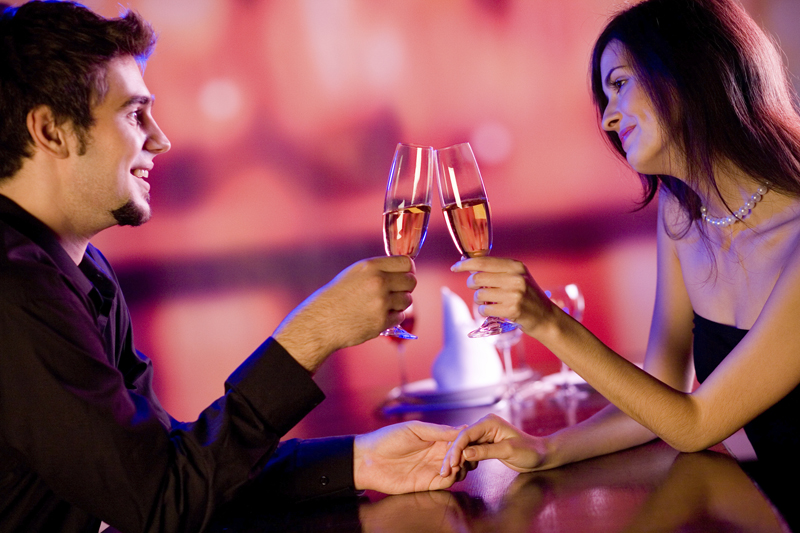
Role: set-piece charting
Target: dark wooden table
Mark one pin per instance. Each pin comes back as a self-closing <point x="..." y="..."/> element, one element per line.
<point x="648" y="488"/>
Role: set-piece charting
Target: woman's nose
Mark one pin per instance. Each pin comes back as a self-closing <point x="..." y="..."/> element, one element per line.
<point x="610" y="118"/>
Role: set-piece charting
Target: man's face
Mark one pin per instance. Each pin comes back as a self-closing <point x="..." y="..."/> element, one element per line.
<point x="109" y="180"/>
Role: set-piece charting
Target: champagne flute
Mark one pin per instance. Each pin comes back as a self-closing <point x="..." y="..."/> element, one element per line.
<point x="466" y="211"/>
<point x="407" y="207"/>
<point x="570" y="299"/>
<point x="400" y="342"/>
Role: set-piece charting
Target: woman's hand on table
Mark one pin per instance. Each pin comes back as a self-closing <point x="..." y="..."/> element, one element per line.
<point x="494" y="438"/>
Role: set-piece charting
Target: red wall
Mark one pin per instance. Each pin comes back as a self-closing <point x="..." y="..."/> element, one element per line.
<point x="283" y="116"/>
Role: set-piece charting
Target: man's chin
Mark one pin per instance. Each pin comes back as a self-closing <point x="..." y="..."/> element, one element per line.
<point x="131" y="214"/>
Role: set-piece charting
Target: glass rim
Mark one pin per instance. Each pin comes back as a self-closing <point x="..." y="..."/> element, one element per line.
<point x="413" y="145"/>
<point x="456" y="145"/>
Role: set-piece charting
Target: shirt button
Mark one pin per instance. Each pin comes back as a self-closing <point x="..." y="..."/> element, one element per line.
<point x="324" y="480"/>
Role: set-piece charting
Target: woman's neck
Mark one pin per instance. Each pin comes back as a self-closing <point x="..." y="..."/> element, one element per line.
<point x="735" y="189"/>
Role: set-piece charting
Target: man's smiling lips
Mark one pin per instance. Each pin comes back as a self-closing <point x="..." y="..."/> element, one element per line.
<point x="142" y="173"/>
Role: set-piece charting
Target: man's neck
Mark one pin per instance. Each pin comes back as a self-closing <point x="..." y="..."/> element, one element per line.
<point x="75" y="249"/>
<point x="46" y="208"/>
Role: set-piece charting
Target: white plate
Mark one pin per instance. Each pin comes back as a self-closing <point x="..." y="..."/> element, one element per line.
<point x="424" y="395"/>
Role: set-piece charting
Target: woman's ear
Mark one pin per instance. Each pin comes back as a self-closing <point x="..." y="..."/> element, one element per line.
<point x="47" y="135"/>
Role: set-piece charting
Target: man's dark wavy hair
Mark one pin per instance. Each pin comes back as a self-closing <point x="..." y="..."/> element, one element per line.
<point x="719" y="87"/>
<point x="56" y="53"/>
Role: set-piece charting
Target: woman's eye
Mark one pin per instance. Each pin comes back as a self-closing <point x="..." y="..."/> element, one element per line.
<point x="617" y="84"/>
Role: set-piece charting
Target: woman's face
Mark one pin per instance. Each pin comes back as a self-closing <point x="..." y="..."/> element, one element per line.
<point x="631" y="114"/>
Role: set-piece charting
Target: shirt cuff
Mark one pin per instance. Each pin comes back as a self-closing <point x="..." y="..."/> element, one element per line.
<point x="321" y="467"/>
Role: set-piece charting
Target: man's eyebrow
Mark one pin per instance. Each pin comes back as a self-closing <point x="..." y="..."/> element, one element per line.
<point x="138" y="100"/>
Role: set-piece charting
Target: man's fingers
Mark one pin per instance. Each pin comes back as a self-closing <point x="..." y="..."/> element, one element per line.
<point x="435" y="432"/>
<point x="394" y="263"/>
<point x="399" y="301"/>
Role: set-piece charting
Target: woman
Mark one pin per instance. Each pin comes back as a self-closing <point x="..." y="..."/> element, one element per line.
<point x="695" y="97"/>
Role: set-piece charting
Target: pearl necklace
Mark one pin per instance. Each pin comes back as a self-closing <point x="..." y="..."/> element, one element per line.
<point x="741" y="213"/>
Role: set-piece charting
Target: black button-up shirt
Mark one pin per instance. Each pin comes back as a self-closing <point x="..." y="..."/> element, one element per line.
<point x="83" y="437"/>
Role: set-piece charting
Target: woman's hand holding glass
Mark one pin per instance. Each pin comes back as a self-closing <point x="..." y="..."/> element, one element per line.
<point x="504" y="288"/>
<point x="466" y="211"/>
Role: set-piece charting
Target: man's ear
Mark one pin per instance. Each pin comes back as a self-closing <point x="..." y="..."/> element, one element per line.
<point x="47" y="135"/>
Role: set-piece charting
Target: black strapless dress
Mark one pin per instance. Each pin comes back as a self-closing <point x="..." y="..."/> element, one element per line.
<point x="774" y="434"/>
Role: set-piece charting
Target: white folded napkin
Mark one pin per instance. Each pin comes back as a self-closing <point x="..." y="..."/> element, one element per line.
<point x="464" y="363"/>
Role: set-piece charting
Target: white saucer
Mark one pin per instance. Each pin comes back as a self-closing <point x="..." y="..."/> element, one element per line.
<point x="424" y="395"/>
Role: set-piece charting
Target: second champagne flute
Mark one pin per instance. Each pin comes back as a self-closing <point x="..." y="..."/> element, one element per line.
<point x="407" y="207"/>
<point x="570" y="299"/>
<point x="466" y="211"/>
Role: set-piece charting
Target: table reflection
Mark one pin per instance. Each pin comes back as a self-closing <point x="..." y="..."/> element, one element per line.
<point x="436" y="511"/>
<point x="648" y="488"/>
<point x="652" y="488"/>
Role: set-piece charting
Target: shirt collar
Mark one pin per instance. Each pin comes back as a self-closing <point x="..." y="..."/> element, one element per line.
<point x="38" y="232"/>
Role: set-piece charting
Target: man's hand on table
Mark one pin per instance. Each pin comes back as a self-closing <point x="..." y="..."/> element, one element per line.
<point x="405" y="457"/>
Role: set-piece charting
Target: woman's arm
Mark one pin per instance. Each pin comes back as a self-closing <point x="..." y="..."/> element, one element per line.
<point x="762" y="369"/>
<point x="668" y="358"/>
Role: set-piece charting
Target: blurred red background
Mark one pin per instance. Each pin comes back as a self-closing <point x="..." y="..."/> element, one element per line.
<point x="283" y="117"/>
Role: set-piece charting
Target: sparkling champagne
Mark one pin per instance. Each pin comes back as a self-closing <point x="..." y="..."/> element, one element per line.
<point x="470" y="227"/>
<point x="404" y="230"/>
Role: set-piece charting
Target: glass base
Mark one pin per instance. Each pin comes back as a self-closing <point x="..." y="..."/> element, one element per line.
<point x="493" y="326"/>
<point x="398" y="332"/>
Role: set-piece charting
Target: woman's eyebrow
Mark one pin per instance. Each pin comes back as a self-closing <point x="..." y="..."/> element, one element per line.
<point x="610" y="72"/>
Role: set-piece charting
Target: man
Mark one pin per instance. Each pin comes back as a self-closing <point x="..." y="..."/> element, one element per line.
<point x="83" y="437"/>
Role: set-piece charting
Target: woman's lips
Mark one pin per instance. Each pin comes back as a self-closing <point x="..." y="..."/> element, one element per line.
<point x="623" y="135"/>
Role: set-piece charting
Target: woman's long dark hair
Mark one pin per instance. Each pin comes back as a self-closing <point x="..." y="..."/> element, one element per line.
<point x="719" y="87"/>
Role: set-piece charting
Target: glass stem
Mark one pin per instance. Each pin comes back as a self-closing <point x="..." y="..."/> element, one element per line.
<point x="401" y="359"/>
<point x="509" y="367"/>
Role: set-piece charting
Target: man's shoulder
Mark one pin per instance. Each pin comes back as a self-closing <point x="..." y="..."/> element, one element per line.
<point x="25" y="268"/>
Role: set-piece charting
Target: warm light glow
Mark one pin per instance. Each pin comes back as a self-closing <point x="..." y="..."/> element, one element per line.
<point x="221" y="100"/>
<point x="492" y="142"/>
<point x="283" y="118"/>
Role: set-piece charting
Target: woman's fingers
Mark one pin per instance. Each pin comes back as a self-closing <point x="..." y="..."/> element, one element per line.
<point x="489" y="429"/>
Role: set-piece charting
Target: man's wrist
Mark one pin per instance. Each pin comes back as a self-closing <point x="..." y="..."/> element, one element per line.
<point x="358" y="464"/>
<point x="305" y="348"/>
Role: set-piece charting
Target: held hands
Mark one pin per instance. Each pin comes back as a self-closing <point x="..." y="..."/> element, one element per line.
<point x="405" y="457"/>
<point x="504" y="288"/>
<point x="494" y="438"/>
<point x="359" y="303"/>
